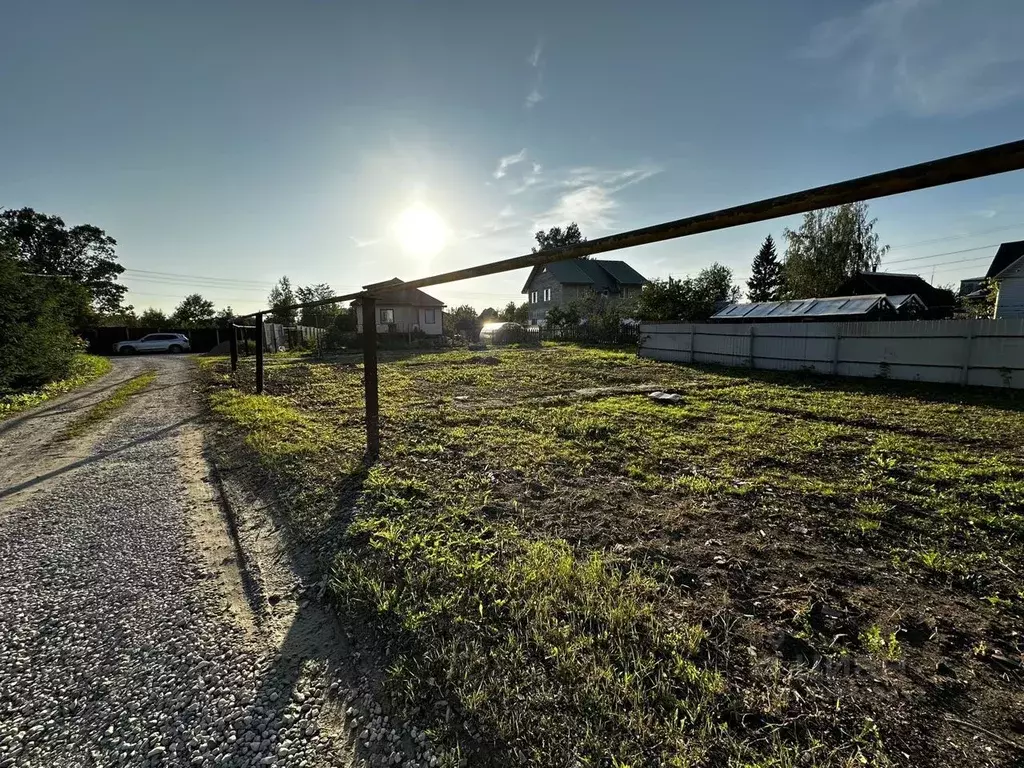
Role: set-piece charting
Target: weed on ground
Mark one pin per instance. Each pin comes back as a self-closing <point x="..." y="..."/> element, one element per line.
<point x="84" y="368"/>
<point x="777" y="570"/>
<point x="104" y="409"/>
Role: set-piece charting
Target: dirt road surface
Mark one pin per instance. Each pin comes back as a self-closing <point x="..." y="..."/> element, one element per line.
<point x="126" y="630"/>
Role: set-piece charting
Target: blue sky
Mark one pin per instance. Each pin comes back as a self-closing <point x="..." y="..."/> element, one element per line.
<point x="236" y="141"/>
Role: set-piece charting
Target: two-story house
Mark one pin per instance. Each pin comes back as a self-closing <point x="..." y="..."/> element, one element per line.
<point x="560" y="283"/>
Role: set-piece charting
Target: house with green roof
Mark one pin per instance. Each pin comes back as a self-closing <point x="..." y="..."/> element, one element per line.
<point x="560" y="283"/>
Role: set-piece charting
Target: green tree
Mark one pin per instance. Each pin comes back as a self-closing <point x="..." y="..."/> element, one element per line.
<point x="767" y="280"/>
<point x="556" y="237"/>
<point x="224" y="316"/>
<point x="515" y="313"/>
<point x="37" y="317"/>
<point x="464" y="321"/>
<point x="153" y="318"/>
<point x="830" y="246"/>
<point x="489" y="315"/>
<point x="281" y="296"/>
<point x="125" y="316"/>
<point x="84" y="254"/>
<point x="193" y="312"/>
<point x="317" y="317"/>
<point x="692" y="299"/>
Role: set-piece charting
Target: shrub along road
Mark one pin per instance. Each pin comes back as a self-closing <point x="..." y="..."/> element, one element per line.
<point x="119" y="642"/>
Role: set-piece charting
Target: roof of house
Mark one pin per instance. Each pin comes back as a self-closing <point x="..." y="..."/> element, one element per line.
<point x="413" y="297"/>
<point x="1007" y="255"/>
<point x="837" y="306"/>
<point x="602" y="275"/>
<point x="894" y="284"/>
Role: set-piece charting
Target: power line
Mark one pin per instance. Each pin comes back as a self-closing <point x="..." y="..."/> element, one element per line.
<point x="192" y="284"/>
<point x="230" y="280"/>
<point x="943" y="253"/>
<point x="955" y="237"/>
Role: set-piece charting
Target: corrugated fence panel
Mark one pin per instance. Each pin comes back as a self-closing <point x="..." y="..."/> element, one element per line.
<point x="979" y="352"/>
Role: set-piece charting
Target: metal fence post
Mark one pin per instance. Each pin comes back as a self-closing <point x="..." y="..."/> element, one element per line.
<point x="837" y="337"/>
<point x="750" y="347"/>
<point x="233" y="346"/>
<point x="693" y="333"/>
<point x="369" y="308"/>
<point x="259" y="354"/>
<point x="965" y="370"/>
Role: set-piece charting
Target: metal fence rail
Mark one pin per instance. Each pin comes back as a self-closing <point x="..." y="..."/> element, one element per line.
<point x="971" y="165"/>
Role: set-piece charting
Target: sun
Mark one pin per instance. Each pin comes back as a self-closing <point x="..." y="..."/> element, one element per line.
<point x="421" y="231"/>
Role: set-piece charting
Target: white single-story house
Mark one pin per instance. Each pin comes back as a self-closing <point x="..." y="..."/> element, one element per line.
<point x="1007" y="273"/>
<point x="404" y="311"/>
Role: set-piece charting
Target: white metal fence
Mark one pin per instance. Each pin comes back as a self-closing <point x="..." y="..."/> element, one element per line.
<point x="979" y="352"/>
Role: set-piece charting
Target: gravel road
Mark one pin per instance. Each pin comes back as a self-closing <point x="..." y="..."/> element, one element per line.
<point x="117" y="646"/>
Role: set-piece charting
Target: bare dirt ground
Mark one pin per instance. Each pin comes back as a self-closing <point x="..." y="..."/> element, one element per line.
<point x="140" y="622"/>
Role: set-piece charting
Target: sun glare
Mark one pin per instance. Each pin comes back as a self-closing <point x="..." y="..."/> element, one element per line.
<point x="420" y="231"/>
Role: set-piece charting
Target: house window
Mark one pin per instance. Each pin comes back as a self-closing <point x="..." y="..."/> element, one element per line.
<point x="547" y="294"/>
<point x="533" y="297"/>
<point x="625" y="292"/>
<point x="387" y="316"/>
<point x="429" y="316"/>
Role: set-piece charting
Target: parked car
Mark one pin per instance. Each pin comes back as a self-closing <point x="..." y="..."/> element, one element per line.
<point x="502" y="333"/>
<point x="154" y="342"/>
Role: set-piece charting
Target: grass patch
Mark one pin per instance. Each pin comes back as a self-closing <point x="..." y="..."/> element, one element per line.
<point x="104" y="409"/>
<point x="582" y="576"/>
<point x="84" y="368"/>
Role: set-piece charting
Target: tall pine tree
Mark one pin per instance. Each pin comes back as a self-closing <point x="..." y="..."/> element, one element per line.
<point x="766" y="281"/>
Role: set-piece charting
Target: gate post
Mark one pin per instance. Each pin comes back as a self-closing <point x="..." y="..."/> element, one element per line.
<point x="233" y="346"/>
<point x="370" y="380"/>
<point x="259" y="353"/>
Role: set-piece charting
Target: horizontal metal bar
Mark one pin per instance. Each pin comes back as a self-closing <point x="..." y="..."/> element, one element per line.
<point x="1002" y="158"/>
<point x="306" y="305"/>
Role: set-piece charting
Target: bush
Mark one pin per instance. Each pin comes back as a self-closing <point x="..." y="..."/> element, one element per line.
<point x="37" y="344"/>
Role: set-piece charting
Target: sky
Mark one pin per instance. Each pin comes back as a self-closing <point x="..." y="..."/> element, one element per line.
<point x="227" y="143"/>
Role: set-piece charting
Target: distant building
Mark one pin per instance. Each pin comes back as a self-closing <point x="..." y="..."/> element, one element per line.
<point x="938" y="303"/>
<point x="404" y="311"/>
<point x="558" y="284"/>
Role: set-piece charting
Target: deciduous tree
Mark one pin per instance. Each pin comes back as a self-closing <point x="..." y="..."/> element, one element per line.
<point x="281" y="296"/>
<point x="830" y="246"/>
<point x="317" y="317"/>
<point x="153" y="318"/>
<point x="84" y="254"/>
<point x="193" y="312"/>
<point x="556" y="237"/>
<point x="691" y="299"/>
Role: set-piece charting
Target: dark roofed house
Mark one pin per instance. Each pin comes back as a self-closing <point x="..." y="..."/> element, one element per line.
<point x="1007" y="272"/>
<point x="559" y="283"/>
<point x="405" y="310"/>
<point x="938" y="302"/>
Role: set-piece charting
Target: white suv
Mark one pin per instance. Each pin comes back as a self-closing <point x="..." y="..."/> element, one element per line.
<point x="154" y="342"/>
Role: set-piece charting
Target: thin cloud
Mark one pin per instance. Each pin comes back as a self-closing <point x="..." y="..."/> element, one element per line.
<point x="534" y="58"/>
<point x="361" y="243"/>
<point x="587" y="196"/>
<point x="507" y="162"/>
<point x="924" y="58"/>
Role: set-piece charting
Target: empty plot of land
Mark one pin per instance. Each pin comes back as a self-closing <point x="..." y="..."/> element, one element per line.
<point x="773" y="570"/>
